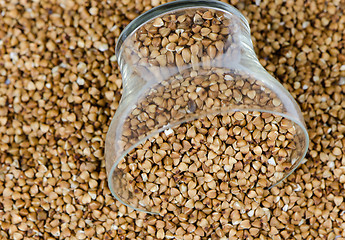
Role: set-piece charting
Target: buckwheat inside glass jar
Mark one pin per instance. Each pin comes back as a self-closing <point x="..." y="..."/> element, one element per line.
<point x="199" y="116"/>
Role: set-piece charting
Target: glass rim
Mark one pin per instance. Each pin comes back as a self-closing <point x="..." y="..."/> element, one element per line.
<point x="133" y="146"/>
<point x="173" y="6"/>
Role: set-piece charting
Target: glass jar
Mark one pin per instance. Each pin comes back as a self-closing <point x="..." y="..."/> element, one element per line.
<point x="185" y="61"/>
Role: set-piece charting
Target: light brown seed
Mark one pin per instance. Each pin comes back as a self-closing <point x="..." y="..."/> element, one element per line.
<point x="158" y="22"/>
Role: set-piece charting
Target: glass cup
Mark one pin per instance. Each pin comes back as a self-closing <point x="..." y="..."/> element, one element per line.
<point x="182" y="61"/>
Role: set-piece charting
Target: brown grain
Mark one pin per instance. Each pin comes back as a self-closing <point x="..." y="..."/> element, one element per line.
<point x="47" y="103"/>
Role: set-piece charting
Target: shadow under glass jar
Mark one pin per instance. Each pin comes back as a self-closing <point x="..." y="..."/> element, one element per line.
<point x="197" y="107"/>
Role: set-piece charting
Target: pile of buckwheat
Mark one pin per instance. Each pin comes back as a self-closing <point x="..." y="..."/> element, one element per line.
<point x="60" y="86"/>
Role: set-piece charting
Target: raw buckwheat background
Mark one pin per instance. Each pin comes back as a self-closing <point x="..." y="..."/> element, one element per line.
<point x="60" y="86"/>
